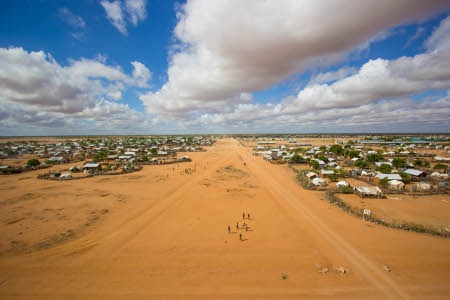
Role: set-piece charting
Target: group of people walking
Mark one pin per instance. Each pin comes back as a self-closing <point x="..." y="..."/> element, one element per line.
<point x="244" y="225"/>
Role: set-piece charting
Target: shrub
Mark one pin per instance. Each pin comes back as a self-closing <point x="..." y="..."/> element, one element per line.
<point x="353" y="153"/>
<point x="333" y="177"/>
<point x="314" y="164"/>
<point x="405" y="177"/>
<point x="33" y="162"/>
<point x="384" y="168"/>
<point x="399" y="163"/>
<point x="362" y="164"/>
<point x="374" y="157"/>
<point x="383" y="182"/>
<point x="345" y="189"/>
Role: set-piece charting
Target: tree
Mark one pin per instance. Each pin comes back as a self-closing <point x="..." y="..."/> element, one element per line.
<point x="101" y="155"/>
<point x="419" y="163"/>
<point x="353" y="153"/>
<point x="399" y="162"/>
<point x="33" y="162"/>
<point x="362" y="164"/>
<point x="296" y="159"/>
<point x="333" y="177"/>
<point x="384" y="168"/>
<point x="384" y="182"/>
<point x="374" y="157"/>
<point x="337" y="149"/>
<point x="143" y="158"/>
<point x="300" y="150"/>
<point x="405" y="177"/>
<point x="153" y="151"/>
<point x="314" y="164"/>
<point x="440" y="167"/>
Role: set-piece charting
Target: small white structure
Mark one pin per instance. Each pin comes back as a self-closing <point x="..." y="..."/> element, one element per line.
<point x="389" y="176"/>
<point x="437" y="175"/>
<point x="326" y="173"/>
<point x="65" y="176"/>
<point x="319" y="182"/>
<point x="311" y="176"/>
<point x="366" y="191"/>
<point x="342" y="183"/>
<point x="396" y="184"/>
<point x="423" y="186"/>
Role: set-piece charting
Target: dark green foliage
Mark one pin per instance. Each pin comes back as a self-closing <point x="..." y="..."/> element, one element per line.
<point x="353" y="153"/>
<point x="300" y="150"/>
<point x="337" y="149"/>
<point x="362" y="164"/>
<point x="333" y="177"/>
<point x="297" y="159"/>
<point x="440" y="167"/>
<point x="345" y="189"/>
<point x="384" y="168"/>
<point x="419" y="163"/>
<point x="405" y="177"/>
<point x="374" y="157"/>
<point x="101" y="155"/>
<point x="383" y="182"/>
<point x="33" y="162"/>
<point x="399" y="162"/>
<point x="314" y="164"/>
<point x="142" y="158"/>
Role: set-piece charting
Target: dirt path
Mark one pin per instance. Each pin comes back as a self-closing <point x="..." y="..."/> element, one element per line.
<point x="170" y="240"/>
<point x="285" y="192"/>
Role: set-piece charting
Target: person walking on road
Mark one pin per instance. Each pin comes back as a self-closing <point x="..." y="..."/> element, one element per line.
<point x="243" y="216"/>
<point x="248" y="216"/>
<point x="237" y="225"/>
<point x="229" y="229"/>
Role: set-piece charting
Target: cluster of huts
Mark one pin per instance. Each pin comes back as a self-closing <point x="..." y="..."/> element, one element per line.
<point x="121" y="150"/>
<point x="331" y="165"/>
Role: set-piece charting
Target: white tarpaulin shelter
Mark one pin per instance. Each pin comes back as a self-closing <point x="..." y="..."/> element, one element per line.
<point x="368" y="191"/>
<point x="396" y="184"/>
<point x="423" y="186"/>
<point x="319" y="182"/>
<point x="342" y="183"/>
<point x="65" y="176"/>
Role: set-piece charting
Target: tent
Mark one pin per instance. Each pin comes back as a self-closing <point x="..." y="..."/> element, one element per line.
<point x="319" y="182"/>
<point x="396" y="184"/>
<point x="366" y="191"/>
<point x="65" y="176"/>
<point x="342" y="183"/>
<point x="423" y="186"/>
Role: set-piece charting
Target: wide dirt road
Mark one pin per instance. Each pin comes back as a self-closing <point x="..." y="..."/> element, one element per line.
<point x="170" y="240"/>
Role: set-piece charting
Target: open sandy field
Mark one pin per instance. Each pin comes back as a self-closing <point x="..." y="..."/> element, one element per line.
<point x="159" y="233"/>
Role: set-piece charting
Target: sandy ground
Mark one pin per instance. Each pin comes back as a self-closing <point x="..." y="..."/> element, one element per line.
<point x="432" y="211"/>
<point x="160" y="233"/>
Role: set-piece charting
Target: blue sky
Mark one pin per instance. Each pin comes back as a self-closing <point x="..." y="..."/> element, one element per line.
<point x="223" y="66"/>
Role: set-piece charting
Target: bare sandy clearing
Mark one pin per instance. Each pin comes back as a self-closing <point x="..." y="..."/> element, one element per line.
<point x="167" y="237"/>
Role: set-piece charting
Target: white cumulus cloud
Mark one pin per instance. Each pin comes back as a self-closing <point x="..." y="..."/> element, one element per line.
<point x="379" y="97"/>
<point x="36" y="89"/>
<point x="228" y="47"/>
